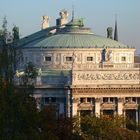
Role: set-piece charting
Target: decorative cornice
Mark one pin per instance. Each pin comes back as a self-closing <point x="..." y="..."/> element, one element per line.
<point x="106" y="90"/>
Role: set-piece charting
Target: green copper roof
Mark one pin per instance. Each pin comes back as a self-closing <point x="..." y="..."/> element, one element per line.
<point x="55" y="72"/>
<point x="79" y="41"/>
<point x="35" y="37"/>
<point x="73" y="35"/>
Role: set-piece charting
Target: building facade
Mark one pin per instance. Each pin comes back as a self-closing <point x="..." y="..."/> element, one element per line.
<point x="80" y="72"/>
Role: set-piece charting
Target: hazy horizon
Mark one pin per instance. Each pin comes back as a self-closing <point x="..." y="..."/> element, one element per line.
<point x="97" y="14"/>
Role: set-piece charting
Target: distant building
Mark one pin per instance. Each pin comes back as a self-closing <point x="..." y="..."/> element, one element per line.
<point x="81" y="72"/>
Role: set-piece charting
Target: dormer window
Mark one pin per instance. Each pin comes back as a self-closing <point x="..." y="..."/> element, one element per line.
<point x="89" y="58"/>
<point x="48" y="58"/>
<point x="69" y="58"/>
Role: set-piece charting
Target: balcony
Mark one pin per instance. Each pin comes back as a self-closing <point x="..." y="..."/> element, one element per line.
<point x="131" y="106"/>
<point x="108" y="106"/>
<point x="106" y="66"/>
<point x="91" y="66"/>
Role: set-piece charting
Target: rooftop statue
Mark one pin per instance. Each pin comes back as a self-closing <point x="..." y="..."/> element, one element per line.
<point x="45" y="22"/>
<point x="63" y="18"/>
<point x="64" y="14"/>
<point x="103" y="55"/>
<point x="106" y="55"/>
<point x="109" y="32"/>
<point x="15" y="32"/>
<point x="81" y="22"/>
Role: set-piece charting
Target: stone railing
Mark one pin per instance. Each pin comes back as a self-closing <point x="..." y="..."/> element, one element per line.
<point x="106" y="66"/>
<point x="92" y="66"/>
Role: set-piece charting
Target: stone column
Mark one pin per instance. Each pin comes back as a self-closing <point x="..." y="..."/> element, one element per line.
<point x="137" y="112"/>
<point x="61" y="59"/>
<point x="138" y="102"/>
<point x="38" y="103"/>
<point x="38" y="81"/>
<point x="120" y="106"/>
<point x="75" y="106"/>
<point x="61" y="108"/>
<point x="124" y="115"/>
<point x="137" y="117"/>
<point x="68" y="103"/>
<point x="97" y="106"/>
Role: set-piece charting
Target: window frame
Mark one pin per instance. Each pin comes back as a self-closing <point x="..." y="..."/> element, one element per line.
<point x="68" y="58"/>
<point x="123" y="58"/>
<point x="89" y="58"/>
<point x="47" y="58"/>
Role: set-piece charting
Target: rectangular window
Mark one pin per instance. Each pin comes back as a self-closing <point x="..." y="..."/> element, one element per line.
<point x="89" y="58"/>
<point x="111" y="100"/>
<point x="22" y="59"/>
<point x="26" y="59"/>
<point x="105" y="100"/>
<point x="123" y="58"/>
<point x="134" y="99"/>
<point x="82" y="100"/>
<point x="68" y="58"/>
<point x="53" y="99"/>
<point x="46" y="100"/>
<point x="89" y="100"/>
<point x="47" y="58"/>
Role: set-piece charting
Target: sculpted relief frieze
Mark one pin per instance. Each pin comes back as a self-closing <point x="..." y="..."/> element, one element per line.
<point x="92" y="76"/>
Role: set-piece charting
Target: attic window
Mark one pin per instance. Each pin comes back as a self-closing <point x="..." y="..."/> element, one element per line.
<point x="47" y="58"/>
<point x="123" y="58"/>
<point x="68" y="58"/>
<point x="89" y="58"/>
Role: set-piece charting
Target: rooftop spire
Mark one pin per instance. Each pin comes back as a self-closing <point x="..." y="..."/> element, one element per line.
<point x="72" y="12"/>
<point x="116" y="29"/>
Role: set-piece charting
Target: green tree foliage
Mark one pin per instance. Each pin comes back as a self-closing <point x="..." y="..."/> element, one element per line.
<point x="18" y="113"/>
<point x="107" y="128"/>
<point x="30" y="74"/>
<point x="18" y="117"/>
<point x="54" y="127"/>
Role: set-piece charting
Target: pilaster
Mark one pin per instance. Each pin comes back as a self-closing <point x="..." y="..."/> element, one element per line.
<point x="75" y="107"/>
<point x="97" y="106"/>
<point x="120" y="106"/>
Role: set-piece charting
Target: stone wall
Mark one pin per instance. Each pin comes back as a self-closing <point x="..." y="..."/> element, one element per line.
<point x="80" y="56"/>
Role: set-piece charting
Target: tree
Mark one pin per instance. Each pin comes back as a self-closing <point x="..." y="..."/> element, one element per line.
<point x="54" y="127"/>
<point x="107" y="128"/>
<point x="18" y="113"/>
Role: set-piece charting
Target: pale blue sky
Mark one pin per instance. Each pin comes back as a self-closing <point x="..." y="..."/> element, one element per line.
<point x="98" y="14"/>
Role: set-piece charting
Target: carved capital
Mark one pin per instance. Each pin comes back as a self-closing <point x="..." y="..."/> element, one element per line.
<point x="98" y="99"/>
<point x="120" y="99"/>
<point x="75" y="100"/>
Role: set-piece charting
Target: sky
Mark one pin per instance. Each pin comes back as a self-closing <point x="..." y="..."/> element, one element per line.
<point x="97" y="14"/>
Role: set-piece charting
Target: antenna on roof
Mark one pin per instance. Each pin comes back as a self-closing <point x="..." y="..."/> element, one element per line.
<point x="116" y="29"/>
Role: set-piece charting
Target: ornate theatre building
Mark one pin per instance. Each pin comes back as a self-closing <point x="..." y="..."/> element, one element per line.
<point x="80" y="72"/>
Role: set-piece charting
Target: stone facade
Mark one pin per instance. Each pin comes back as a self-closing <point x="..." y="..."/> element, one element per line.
<point x="82" y="57"/>
<point x="79" y="79"/>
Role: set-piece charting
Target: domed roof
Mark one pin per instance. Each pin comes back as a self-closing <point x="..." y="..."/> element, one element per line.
<point x="73" y="40"/>
<point x="75" y="35"/>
